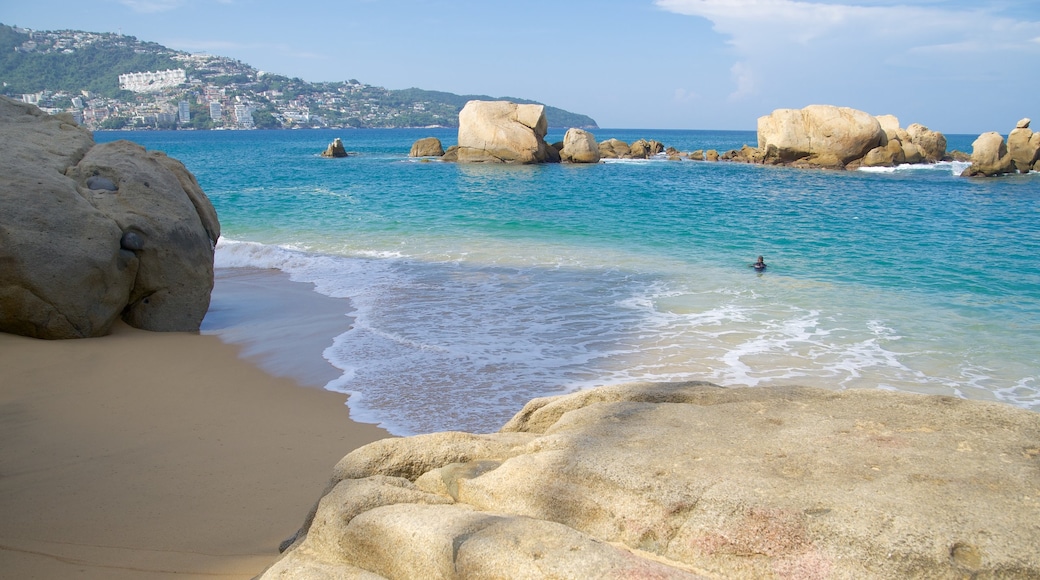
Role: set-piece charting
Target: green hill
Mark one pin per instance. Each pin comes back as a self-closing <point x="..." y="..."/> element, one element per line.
<point x="59" y="65"/>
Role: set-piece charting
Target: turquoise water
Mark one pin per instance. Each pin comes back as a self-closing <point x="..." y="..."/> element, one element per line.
<point x="475" y="288"/>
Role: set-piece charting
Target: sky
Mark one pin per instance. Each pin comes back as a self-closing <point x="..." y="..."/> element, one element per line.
<point x="956" y="66"/>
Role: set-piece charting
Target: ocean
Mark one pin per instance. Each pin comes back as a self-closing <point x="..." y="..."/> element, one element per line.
<point x="467" y="290"/>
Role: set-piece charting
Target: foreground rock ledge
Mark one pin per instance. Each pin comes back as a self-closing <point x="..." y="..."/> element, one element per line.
<point x="683" y="480"/>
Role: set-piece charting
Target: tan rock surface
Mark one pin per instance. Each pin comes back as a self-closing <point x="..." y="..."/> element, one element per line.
<point x="502" y="132"/>
<point x="823" y="131"/>
<point x="1023" y="146"/>
<point x="682" y="479"/>
<point x="427" y="147"/>
<point x="989" y="156"/>
<point x="931" y="143"/>
<point x="91" y="233"/>
<point x="579" y="146"/>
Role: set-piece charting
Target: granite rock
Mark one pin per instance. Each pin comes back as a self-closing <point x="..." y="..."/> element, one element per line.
<point x="503" y="132"/>
<point x="680" y="480"/>
<point x="427" y="147"/>
<point x="579" y="146"/>
<point x="818" y="135"/>
<point x="91" y="233"/>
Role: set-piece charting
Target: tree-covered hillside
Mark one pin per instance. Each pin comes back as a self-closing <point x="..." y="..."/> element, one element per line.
<point x="32" y="63"/>
<point x="56" y="67"/>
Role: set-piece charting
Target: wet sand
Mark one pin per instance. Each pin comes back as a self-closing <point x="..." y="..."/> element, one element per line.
<point x="162" y="455"/>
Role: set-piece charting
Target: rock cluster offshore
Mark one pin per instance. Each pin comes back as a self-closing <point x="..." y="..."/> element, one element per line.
<point x="817" y="136"/>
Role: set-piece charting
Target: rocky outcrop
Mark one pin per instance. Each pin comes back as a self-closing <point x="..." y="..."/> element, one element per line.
<point x="989" y="157"/>
<point x="614" y="149"/>
<point x="335" y="149"/>
<point x="91" y="233"/>
<point x="503" y="132"/>
<point x="1024" y="147"/>
<point x="579" y="146"/>
<point x="818" y="135"/>
<point x="932" y="144"/>
<point x="427" y="147"/>
<point x="675" y="480"/>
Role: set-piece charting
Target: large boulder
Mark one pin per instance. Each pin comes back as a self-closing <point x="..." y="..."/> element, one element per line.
<point x="931" y="143"/>
<point x="888" y="155"/>
<point x="818" y="135"/>
<point x="989" y="157"/>
<point x="579" y="146"/>
<point x="91" y="233"/>
<point x="614" y="149"/>
<point x="678" y="479"/>
<point x="503" y="132"/>
<point x="1023" y="146"/>
<point x="427" y="147"/>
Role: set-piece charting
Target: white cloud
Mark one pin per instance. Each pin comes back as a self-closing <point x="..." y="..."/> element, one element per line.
<point x="757" y="24"/>
<point x="744" y="79"/>
<point x="824" y="42"/>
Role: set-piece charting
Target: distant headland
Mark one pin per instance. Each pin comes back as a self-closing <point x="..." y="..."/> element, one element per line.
<point x="109" y="81"/>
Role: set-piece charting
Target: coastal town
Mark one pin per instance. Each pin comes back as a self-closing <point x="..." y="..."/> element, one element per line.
<point x="183" y="90"/>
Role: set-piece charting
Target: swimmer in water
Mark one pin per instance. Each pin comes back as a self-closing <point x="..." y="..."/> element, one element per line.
<point x="759" y="265"/>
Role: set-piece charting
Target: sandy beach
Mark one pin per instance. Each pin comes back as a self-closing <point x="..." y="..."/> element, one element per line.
<point x="159" y="455"/>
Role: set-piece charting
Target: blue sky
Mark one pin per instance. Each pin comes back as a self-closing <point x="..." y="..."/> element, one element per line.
<point x="957" y="66"/>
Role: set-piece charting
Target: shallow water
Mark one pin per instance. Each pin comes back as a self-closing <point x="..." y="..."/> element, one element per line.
<point x="475" y="288"/>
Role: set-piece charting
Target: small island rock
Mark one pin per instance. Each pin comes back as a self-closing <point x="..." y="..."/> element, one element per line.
<point x="503" y="132"/>
<point x="335" y="149"/>
<point x="427" y="147"/>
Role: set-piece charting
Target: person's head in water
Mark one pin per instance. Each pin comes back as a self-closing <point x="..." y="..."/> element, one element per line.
<point x="760" y="263"/>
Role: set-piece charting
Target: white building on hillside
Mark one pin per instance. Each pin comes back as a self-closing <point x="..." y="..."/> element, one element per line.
<point x="244" y="116"/>
<point x="147" y="82"/>
<point x="184" y="112"/>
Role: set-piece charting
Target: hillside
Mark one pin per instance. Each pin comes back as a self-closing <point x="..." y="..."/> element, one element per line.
<point x="78" y="72"/>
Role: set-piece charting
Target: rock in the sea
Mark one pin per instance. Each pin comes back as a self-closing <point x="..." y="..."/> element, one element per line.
<point x="335" y="149"/>
<point x="888" y="155"/>
<point x="989" y="157"/>
<point x="932" y="144"/>
<point x="1024" y="146"/>
<point x="91" y="233"/>
<point x="427" y="147"/>
<point x="579" y="146"/>
<point x="818" y="135"/>
<point x="614" y="149"/>
<point x="674" y="480"/>
<point x="503" y="132"/>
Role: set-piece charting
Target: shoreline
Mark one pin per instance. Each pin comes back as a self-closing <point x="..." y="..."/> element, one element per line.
<point x="154" y="455"/>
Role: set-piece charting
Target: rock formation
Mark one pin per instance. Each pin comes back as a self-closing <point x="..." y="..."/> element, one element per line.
<point x="1024" y="147"/>
<point x="675" y="480"/>
<point x="932" y="144"/>
<point x="989" y="157"/>
<point x="427" y="147"/>
<point x="503" y="132"/>
<point x="818" y="135"/>
<point x="335" y="149"/>
<point x="91" y="233"/>
<point x="579" y="146"/>
<point x="614" y="149"/>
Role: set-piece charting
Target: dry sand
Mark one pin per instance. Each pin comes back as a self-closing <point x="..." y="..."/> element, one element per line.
<point x="156" y="455"/>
